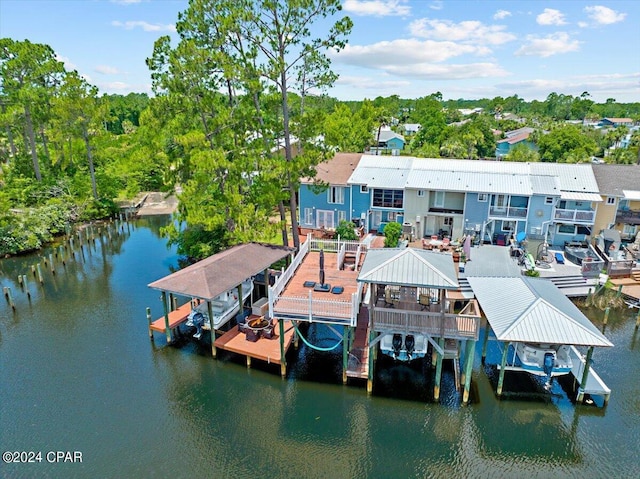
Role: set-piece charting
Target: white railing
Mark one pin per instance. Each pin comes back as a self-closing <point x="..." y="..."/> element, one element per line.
<point x="280" y="282"/>
<point x="313" y="309"/>
<point x="342" y="250"/>
<point x="457" y="326"/>
<point x="583" y="216"/>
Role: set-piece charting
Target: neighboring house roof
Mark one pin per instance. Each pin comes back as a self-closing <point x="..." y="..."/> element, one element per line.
<point x="382" y="171"/>
<point x="223" y="271"/>
<point x="618" y="180"/>
<point x="533" y="311"/>
<point x="577" y="178"/>
<point x="512" y="140"/>
<point x="525" y="130"/>
<point x="618" y="120"/>
<point x="409" y="267"/>
<point x="412" y="127"/>
<point x="386" y="135"/>
<point x="337" y="170"/>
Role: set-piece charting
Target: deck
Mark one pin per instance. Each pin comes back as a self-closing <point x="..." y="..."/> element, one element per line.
<point x="176" y="318"/>
<point x="595" y="386"/>
<point x="263" y="349"/>
<point x="298" y="301"/>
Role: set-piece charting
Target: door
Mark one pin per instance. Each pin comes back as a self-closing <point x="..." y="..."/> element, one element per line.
<point x="430" y="225"/>
<point x="324" y="219"/>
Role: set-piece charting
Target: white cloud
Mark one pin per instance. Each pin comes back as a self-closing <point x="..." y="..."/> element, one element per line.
<point x="443" y="71"/>
<point x="403" y="52"/>
<point x="583" y="24"/>
<point x="68" y="64"/>
<point x="147" y="27"/>
<point x="604" y="15"/>
<point x="117" y="85"/>
<point x="378" y="8"/>
<point x="436" y="5"/>
<point x="550" y="45"/>
<point x="369" y="83"/>
<point x="470" y="30"/>
<point x="501" y="14"/>
<point x="551" y="16"/>
<point x="106" y="70"/>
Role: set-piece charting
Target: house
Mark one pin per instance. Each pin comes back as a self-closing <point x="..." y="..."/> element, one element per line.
<point x="447" y="197"/>
<point x="326" y="199"/>
<point x="388" y="142"/>
<point x="513" y="138"/>
<point x="616" y="122"/>
<point x="411" y="128"/>
<point x="619" y="187"/>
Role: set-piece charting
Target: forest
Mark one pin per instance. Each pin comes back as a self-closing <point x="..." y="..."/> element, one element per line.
<point x="240" y="111"/>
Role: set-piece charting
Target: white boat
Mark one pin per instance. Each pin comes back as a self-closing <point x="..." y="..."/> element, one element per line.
<point x="404" y="347"/>
<point x="547" y="360"/>
<point x="223" y="308"/>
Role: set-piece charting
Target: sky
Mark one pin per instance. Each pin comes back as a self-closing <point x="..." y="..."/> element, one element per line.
<point x="411" y="48"/>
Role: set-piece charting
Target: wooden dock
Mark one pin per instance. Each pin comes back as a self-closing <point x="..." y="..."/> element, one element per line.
<point x="176" y="318"/>
<point x="359" y="354"/>
<point x="264" y="349"/>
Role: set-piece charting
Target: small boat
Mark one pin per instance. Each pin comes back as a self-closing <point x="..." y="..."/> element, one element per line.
<point x="547" y="360"/>
<point x="223" y="307"/>
<point x="404" y="347"/>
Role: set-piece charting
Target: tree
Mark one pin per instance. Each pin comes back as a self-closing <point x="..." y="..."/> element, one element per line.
<point x="564" y="143"/>
<point x="28" y="74"/>
<point x="522" y="153"/>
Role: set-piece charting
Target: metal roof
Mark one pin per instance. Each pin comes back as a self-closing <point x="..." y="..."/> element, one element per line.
<point x="631" y="195"/>
<point x="475" y="181"/>
<point x="578" y="196"/>
<point x="216" y="274"/>
<point x="382" y="171"/>
<point x="409" y="267"/>
<point x="533" y="310"/>
<point x="573" y="177"/>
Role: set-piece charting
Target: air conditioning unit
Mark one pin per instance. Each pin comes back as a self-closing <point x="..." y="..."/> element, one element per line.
<point x="536" y="230"/>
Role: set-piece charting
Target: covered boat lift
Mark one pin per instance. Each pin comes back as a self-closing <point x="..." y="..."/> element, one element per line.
<point x="422" y="280"/>
<point x="533" y="310"/>
<point x="210" y="277"/>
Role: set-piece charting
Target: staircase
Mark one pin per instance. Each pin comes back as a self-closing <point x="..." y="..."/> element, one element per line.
<point x="574" y="285"/>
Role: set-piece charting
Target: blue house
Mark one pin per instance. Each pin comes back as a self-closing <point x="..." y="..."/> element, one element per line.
<point x="446" y="197"/>
<point x="513" y="138"/>
<point x="389" y="142"/>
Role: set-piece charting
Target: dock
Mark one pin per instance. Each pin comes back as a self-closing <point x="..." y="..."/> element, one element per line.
<point x="594" y="385"/>
<point x="263" y="349"/>
<point x="175" y="317"/>
<point x="358" y="365"/>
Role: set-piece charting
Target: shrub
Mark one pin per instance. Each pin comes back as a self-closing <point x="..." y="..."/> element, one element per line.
<point x="392" y="232"/>
<point x="346" y="231"/>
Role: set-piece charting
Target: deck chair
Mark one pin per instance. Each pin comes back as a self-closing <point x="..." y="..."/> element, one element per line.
<point x="424" y="301"/>
<point x="389" y="300"/>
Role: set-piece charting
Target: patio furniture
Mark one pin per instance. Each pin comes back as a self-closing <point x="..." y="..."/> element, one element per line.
<point x="559" y="258"/>
<point x="424" y="301"/>
<point x="337" y="289"/>
<point x="309" y="284"/>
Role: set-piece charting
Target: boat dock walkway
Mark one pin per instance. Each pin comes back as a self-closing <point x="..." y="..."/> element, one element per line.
<point x="358" y="366"/>
<point x="595" y="386"/>
<point x="264" y="349"/>
<point x="176" y="318"/>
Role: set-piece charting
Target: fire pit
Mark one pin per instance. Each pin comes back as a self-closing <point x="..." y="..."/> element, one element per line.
<point x="258" y="324"/>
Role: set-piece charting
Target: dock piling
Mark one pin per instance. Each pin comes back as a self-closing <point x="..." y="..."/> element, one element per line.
<point x="39" y="270"/>
<point x="9" y="296"/>
<point x="149" y="321"/>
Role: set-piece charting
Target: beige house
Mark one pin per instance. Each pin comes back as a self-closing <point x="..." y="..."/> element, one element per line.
<point x="619" y="186"/>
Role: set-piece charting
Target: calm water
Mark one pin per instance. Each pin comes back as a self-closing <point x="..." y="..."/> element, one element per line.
<point x="78" y="373"/>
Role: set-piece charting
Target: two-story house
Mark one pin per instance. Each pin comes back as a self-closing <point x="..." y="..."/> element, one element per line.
<point x="619" y="186"/>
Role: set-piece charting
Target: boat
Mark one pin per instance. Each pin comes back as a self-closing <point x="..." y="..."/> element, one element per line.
<point x="547" y="360"/>
<point x="404" y="347"/>
<point x="223" y="307"/>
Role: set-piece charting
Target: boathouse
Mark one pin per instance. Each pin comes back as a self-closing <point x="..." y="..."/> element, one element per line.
<point x="410" y="308"/>
<point x="532" y="311"/>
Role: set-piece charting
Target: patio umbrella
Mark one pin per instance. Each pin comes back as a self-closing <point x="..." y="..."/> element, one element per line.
<point x="466" y="247"/>
<point x="322" y="267"/>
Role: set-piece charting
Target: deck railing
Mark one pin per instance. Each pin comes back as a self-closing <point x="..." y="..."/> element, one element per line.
<point x="455" y="326"/>
<point x="510" y="212"/>
<point x="630" y="217"/>
<point x="577" y="216"/>
<point x="312" y="309"/>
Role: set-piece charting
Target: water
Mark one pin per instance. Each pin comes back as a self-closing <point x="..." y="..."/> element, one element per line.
<point x="78" y="373"/>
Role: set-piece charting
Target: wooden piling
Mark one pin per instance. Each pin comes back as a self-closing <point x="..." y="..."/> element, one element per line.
<point x="585" y="375"/>
<point x="468" y="369"/>
<point x="26" y="286"/>
<point x="20" y="281"/>
<point x="503" y="365"/>
<point x="372" y="336"/>
<point x="39" y="270"/>
<point x="438" y="379"/>
<point x="9" y="296"/>
<point x="345" y="353"/>
<point x="638" y="319"/>
<point x="606" y="318"/>
<point x="283" y="360"/>
<point x="484" y="343"/>
<point x="53" y="267"/>
<point x="149" y="321"/>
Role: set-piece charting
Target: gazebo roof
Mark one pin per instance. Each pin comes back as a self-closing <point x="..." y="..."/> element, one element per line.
<point x="409" y="267"/>
<point x="216" y="274"/>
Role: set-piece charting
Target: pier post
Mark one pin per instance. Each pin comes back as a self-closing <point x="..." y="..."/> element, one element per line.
<point x="214" y="351"/>
<point x="485" y="341"/>
<point x="619" y="293"/>
<point x="585" y="375"/>
<point x="345" y="353"/>
<point x="149" y="321"/>
<point x="439" y="361"/>
<point x="166" y="317"/>
<point x="53" y="268"/>
<point x="372" y="336"/>
<point x="171" y="302"/>
<point x="26" y="286"/>
<point x="283" y="359"/>
<point x="503" y="364"/>
<point x="7" y="293"/>
<point x="39" y="270"/>
<point x="468" y="368"/>
<point x="638" y="319"/>
<point x="606" y="319"/>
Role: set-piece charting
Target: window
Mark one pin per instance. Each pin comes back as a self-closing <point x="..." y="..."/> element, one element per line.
<point x="483" y="197"/>
<point x="611" y="200"/>
<point x="364" y="189"/>
<point x="508" y="226"/>
<point x="392" y="216"/>
<point x="548" y="200"/>
<point x="308" y="216"/>
<point x="387" y="198"/>
<point x="629" y="230"/>
<point x="500" y="202"/>
<point x="447" y="221"/>
<point x="324" y="219"/>
<point x="566" y="229"/>
<point x="342" y="216"/>
<point x="336" y="195"/>
<point x="420" y="193"/>
<point x="438" y="201"/>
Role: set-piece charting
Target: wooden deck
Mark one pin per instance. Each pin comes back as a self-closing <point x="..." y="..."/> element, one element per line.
<point x="263" y="349"/>
<point x="294" y="299"/>
<point x="359" y="354"/>
<point x="176" y="318"/>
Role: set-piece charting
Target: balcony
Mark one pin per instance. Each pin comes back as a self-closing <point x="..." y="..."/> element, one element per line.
<point x="510" y="212"/>
<point x="628" y="217"/>
<point x="575" y="216"/>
